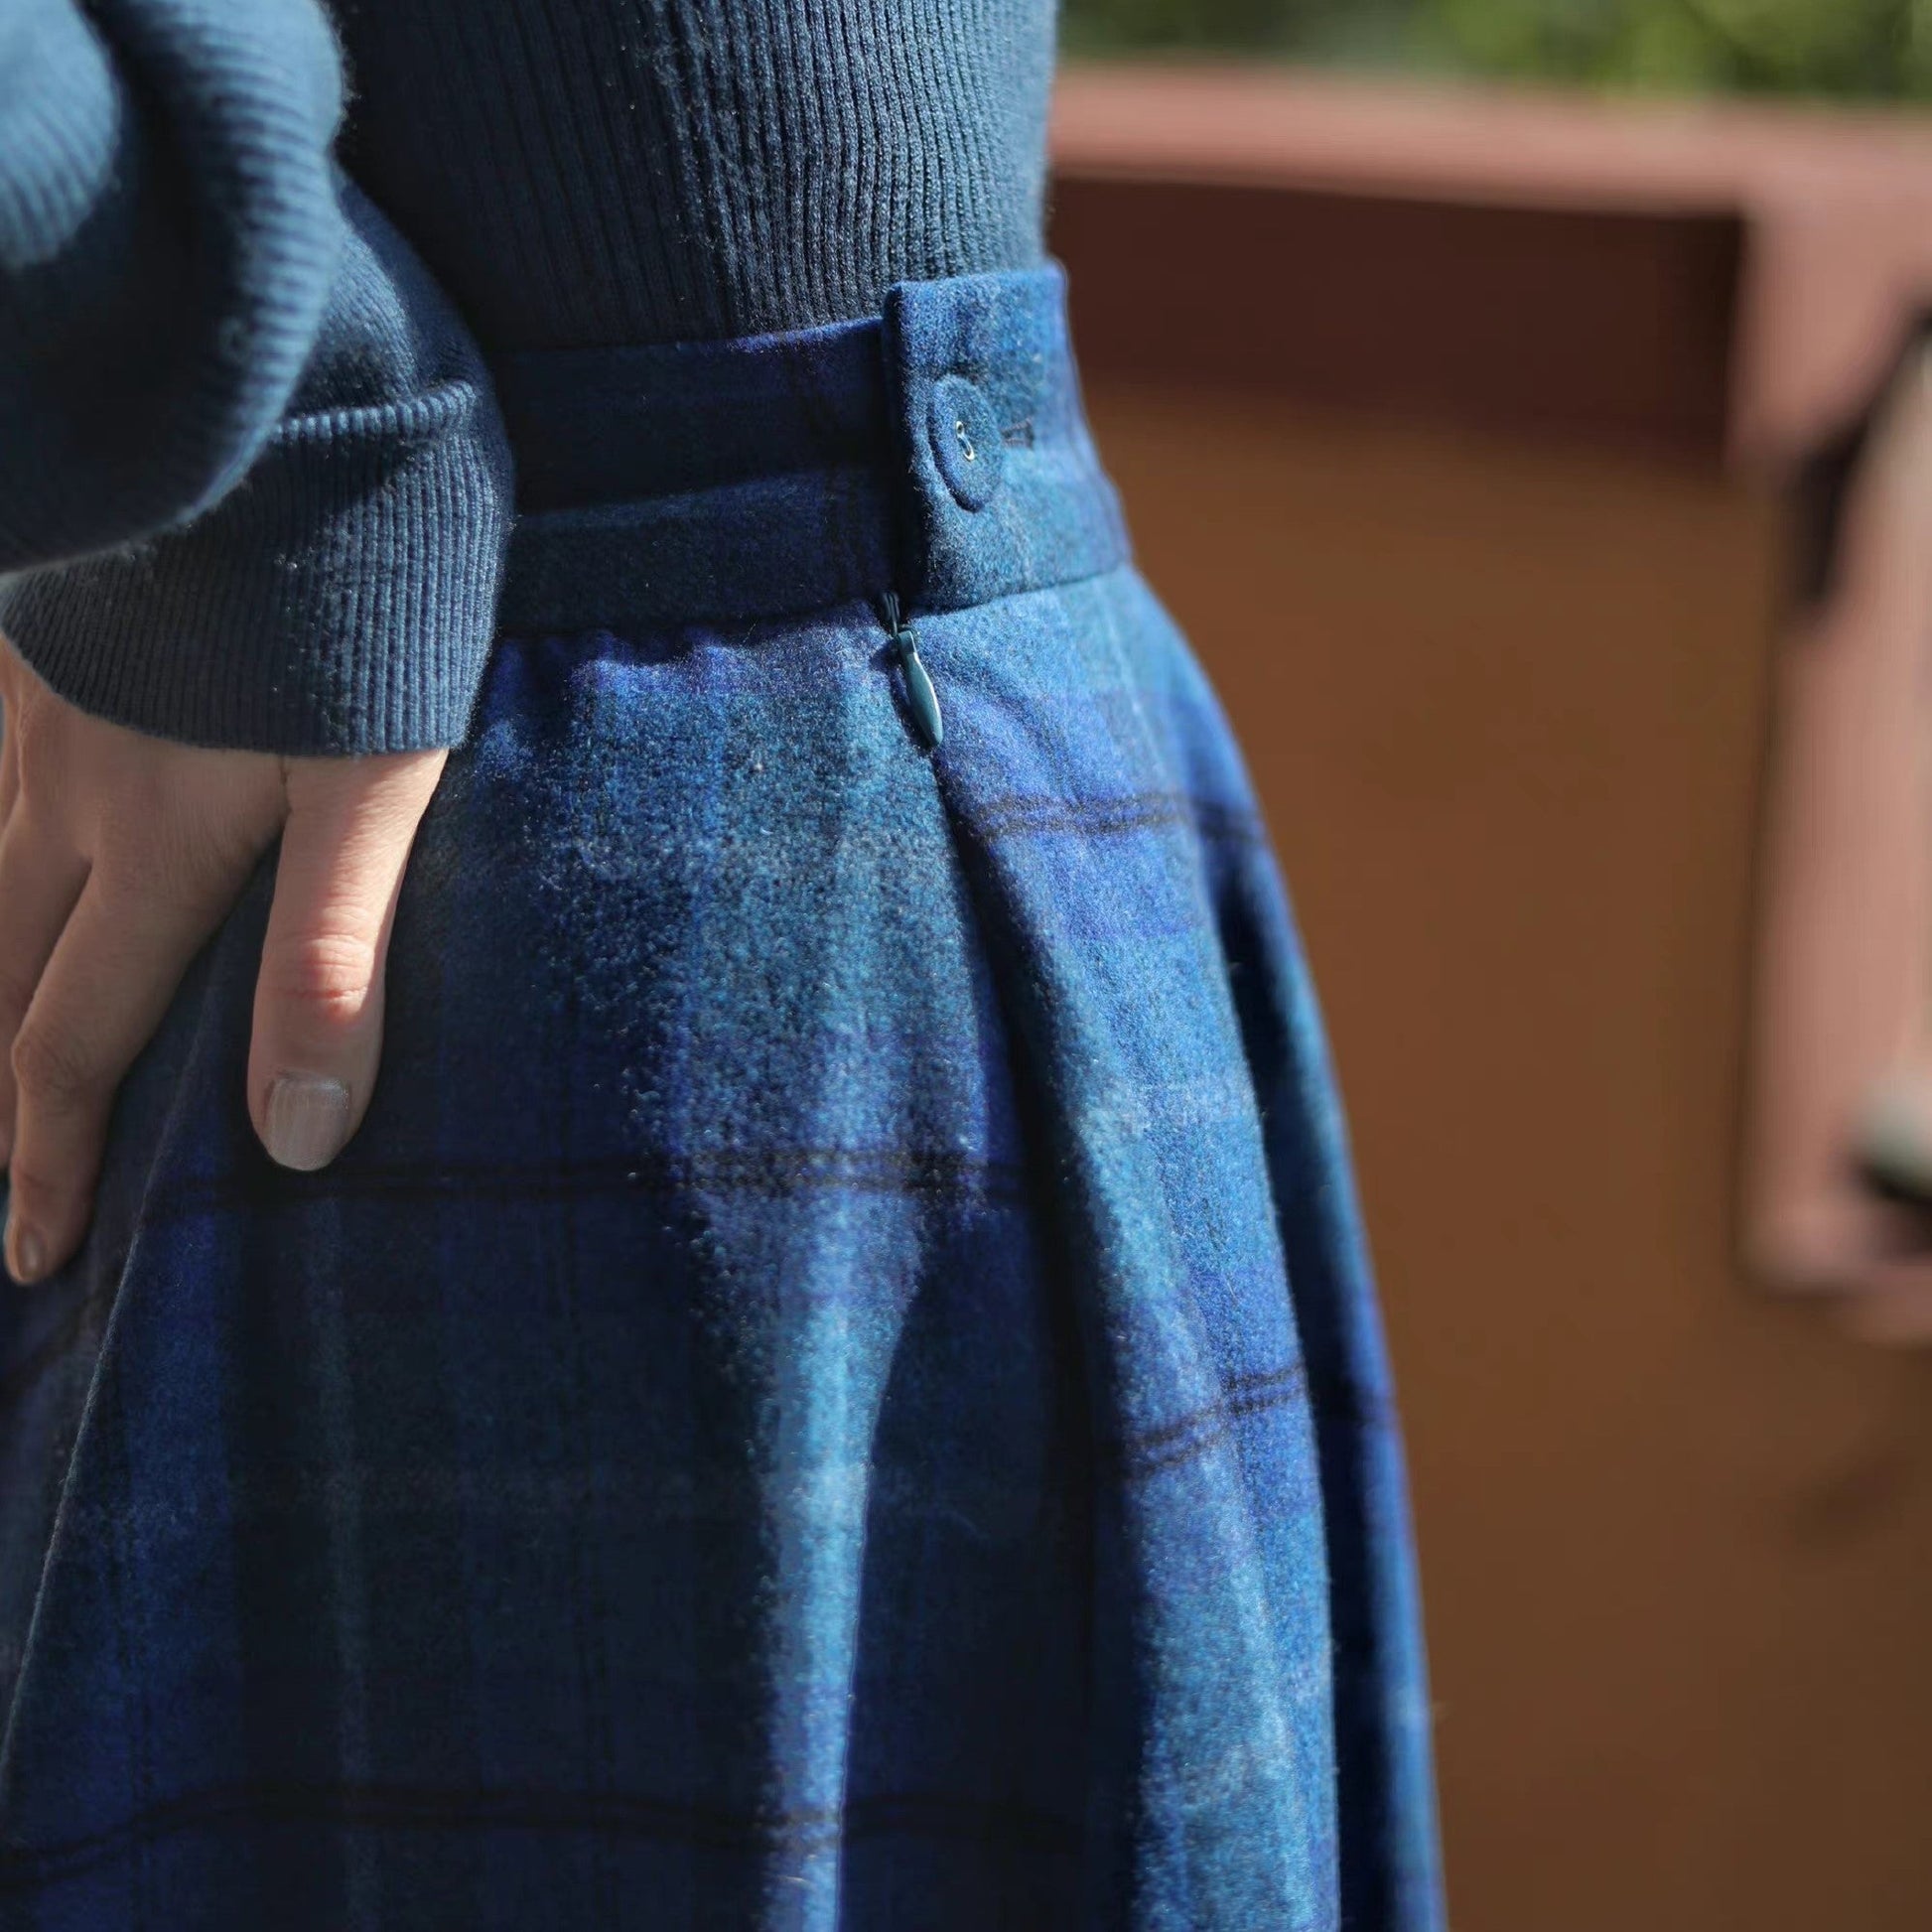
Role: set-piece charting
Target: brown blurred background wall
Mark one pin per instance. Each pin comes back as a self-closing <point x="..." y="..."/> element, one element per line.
<point x="1462" y="476"/>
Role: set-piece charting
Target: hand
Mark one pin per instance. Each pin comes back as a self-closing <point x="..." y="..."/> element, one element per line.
<point x="119" y="857"/>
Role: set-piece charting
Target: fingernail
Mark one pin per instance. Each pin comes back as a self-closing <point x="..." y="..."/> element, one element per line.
<point x="26" y="1254"/>
<point x="308" y="1120"/>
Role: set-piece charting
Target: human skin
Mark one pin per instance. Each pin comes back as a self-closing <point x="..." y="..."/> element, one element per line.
<point x="120" y="855"/>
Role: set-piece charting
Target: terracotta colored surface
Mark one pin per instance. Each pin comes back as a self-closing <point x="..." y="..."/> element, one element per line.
<point x="1615" y="328"/>
<point x="1838" y="206"/>
<point x="1505" y="707"/>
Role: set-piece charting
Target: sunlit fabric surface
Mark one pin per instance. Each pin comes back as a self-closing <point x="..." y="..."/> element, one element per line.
<point x="838" y="1386"/>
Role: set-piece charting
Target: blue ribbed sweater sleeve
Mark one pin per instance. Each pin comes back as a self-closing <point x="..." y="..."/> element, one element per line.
<point x="253" y="489"/>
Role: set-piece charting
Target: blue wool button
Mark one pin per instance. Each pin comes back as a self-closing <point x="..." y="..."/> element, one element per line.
<point x="966" y="441"/>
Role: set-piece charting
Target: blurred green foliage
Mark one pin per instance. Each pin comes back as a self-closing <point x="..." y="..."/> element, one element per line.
<point x="1870" y="48"/>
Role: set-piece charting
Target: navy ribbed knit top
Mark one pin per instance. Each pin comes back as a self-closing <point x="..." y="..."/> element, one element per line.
<point x="254" y="487"/>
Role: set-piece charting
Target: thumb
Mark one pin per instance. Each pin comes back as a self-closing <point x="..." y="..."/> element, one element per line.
<point x="318" y="1035"/>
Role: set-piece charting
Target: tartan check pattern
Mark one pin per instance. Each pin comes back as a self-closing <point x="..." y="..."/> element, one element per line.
<point x="838" y="1385"/>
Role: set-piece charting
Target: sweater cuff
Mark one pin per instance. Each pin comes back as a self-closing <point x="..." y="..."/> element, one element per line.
<point x="342" y="598"/>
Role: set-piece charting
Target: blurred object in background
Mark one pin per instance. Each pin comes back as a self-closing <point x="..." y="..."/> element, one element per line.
<point x="1870" y="48"/>
<point x="1840" y="1179"/>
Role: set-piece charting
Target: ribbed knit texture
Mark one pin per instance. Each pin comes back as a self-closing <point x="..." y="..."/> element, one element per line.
<point x="169" y="234"/>
<point x="350" y="579"/>
<point x="342" y="597"/>
<point x="583" y="172"/>
<point x="177" y="255"/>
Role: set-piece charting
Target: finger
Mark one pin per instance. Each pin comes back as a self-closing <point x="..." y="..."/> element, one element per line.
<point x="41" y="879"/>
<point x="318" y="1035"/>
<point x="106" y="986"/>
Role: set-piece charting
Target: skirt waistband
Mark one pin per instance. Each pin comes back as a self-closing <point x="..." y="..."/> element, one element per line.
<point x="938" y="451"/>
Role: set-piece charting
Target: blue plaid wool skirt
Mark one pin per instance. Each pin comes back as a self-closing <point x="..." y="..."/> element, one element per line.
<point x="838" y="1385"/>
